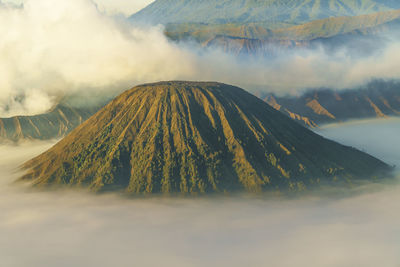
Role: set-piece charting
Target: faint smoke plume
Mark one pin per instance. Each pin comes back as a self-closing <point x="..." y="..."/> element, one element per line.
<point x="51" y="48"/>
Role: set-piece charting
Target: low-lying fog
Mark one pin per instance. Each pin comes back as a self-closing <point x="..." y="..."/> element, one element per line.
<point x="78" y="229"/>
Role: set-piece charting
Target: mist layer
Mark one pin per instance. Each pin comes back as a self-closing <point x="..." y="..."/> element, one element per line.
<point x="80" y="229"/>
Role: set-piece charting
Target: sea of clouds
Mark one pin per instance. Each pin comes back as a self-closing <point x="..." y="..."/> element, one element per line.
<point x="40" y="228"/>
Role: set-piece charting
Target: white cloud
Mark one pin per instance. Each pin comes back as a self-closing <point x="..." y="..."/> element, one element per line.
<point x="49" y="48"/>
<point x="64" y="46"/>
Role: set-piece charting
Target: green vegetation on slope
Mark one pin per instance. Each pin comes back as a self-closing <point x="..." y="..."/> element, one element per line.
<point x="194" y="137"/>
<point x="244" y="11"/>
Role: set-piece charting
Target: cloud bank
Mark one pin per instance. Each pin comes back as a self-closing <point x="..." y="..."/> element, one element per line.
<point x="374" y="136"/>
<point x="77" y="229"/>
<point x="52" y="48"/>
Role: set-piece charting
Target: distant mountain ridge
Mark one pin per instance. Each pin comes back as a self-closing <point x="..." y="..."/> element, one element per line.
<point x="196" y="137"/>
<point x="273" y="12"/>
<point x="53" y="124"/>
<point x="368" y="31"/>
<point x="323" y="28"/>
<point x="316" y="107"/>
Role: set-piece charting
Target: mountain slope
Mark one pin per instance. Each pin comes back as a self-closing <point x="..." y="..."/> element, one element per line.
<point x="377" y="100"/>
<point x="195" y="137"/>
<point x="329" y="27"/>
<point x="324" y="28"/>
<point x="359" y="35"/>
<point x="54" y="124"/>
<point x="279" y="12"/>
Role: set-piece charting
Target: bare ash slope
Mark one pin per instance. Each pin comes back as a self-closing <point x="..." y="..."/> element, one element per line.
<point x="195" y="137"/>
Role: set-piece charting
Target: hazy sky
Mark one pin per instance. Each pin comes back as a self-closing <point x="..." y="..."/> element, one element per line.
<point x="126" y="7"/>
